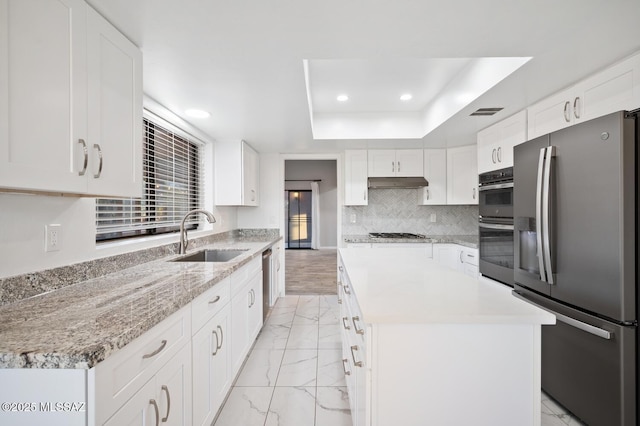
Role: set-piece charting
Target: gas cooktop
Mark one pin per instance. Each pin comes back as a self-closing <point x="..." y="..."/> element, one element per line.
<point x="395" y="235"/>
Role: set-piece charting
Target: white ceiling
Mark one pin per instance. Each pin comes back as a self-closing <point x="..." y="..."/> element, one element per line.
<point x="242" y="60"/>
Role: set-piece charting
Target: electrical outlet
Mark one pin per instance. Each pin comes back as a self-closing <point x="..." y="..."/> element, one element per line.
<point x="433" y="217"/>
<point x="53" y="237"/>
<point x="353" y="218"/>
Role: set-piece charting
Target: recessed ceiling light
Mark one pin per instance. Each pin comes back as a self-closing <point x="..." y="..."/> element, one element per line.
<point x="197" y="113"/>
<point x="342" y="98"/>
<point x="406" y="97"/>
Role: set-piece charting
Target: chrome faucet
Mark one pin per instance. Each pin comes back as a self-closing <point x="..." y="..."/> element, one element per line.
<point x="184" y="242"/>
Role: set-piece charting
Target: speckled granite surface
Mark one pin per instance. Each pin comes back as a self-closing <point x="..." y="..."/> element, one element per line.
<point x="81" y="324"/>
<point x="464" y="240"/>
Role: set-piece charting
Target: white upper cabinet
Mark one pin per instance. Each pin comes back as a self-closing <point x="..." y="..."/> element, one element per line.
<point x="115" y="110"/>
<point x="496" y="142"/>
<point x="395" y="163"/>
<point x="237" y="171"/>
<point x="435" y="172"/>
<point x="462" y="175"/>
<point x="613" y="89"/>
<point x="63" y="89"/>
<point x="355" y="178"/>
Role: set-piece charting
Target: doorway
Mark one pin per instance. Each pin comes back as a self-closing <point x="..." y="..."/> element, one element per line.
<point x="299" y="229"/>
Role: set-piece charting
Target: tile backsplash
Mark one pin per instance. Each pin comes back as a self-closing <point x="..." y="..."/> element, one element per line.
<point x="397" y="210"/>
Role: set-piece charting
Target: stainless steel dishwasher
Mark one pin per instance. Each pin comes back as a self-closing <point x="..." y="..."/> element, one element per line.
<point x="266" y="282"/>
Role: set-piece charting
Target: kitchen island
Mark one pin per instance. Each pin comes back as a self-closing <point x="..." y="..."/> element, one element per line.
<point x="423" y="344"/>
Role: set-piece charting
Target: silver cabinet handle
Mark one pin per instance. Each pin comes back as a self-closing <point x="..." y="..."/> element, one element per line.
<point x="460" y="256"/>
<point x="567" y="117"/>
<point x="344" y="362"/>
<point x="398" y="167"/>
<point x="157" y="351"/>
<point x="253" y="195"/>
<point x="346" y="289"/>
<point x="499" y="154"/>
<point x="493" y="156"/>
<point x="166" y="390"/>
<point x="221" y="336"/>
<point x="345" y="324"/>
<point x="393" y="166"/>
<point x="427" y="191"/>
<point x="250" y="298"/>
<point x="596" y="331"/>
<point x="576" y="107"/>
<point x="215" y="333"/>
<point x="97" y="175"/>
<point x="474" y="193"/>
<point x="155" y="406"/>
<point x="353" y="355"/>
<point x="340" y="268"/>
<point x="86" y="157"/>
<point x="355" y="326"/>
<point x="215" y="299"/>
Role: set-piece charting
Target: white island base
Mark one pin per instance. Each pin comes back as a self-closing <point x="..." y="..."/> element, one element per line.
<point x="425" y="345"/>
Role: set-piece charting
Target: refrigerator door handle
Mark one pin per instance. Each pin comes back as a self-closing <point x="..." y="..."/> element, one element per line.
<point x="596" y="331"/>
<point x="539" y="190"/>
<point x="551" y="152"/>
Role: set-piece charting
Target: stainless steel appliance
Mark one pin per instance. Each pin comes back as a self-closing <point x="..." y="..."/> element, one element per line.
<point x="576" y="255"/>
<point x="496" y="225"/>
<point x="266" y="283"/>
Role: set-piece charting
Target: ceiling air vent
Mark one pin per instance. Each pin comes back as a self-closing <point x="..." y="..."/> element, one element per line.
<point x="486" y="111"/>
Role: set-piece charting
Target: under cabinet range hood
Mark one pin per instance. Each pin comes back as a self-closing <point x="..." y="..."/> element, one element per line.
<point x="397" y="182"/>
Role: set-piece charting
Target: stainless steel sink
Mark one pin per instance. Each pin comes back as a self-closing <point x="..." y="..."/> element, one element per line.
<point x="210" y="256"/>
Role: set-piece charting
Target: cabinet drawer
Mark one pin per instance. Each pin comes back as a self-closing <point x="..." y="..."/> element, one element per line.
<point x="470" y="256"/>
<point x="121" y="375"/>
<point x="242" y="276"/>
<point x="209" y="303"/>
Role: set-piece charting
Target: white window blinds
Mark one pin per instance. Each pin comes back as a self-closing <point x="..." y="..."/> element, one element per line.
<point x="172" y="176"/>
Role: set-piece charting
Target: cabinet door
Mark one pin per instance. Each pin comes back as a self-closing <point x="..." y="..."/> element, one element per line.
<point x="250" y="174"/>
<point x="211" y="367"/>
<point x="614" y="89"/>
<point x="355" y="180"/>
<point x="381" y="162"/>
<point x="173" y="389"/>
<point x="239" y="327"/>
<point x="254" y="322"/>
<point x="435" y="172"/>
<point x="550" y="114"/>
<point x="409" y="162"/>
<point x="141" y="410"/>
<point x="511" y="132"/>
<point x="487" y="149"/>
<point x="114" y="111"/>
<point x="462" y="175"/>
<point x="42" y="94"/>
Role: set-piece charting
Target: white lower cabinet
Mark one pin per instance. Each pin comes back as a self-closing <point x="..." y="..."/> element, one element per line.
<point x="460" y="258"/>
<point x="246" y="311"/>
<point x="212" y="376"/>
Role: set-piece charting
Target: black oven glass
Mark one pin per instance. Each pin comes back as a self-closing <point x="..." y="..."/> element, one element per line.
<point x="496" y="246"/>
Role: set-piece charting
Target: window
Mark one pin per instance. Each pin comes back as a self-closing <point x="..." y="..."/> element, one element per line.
<point x="172" y="185"/>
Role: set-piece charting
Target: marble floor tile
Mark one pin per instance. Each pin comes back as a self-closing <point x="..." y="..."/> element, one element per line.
<point x="292" y="406"/>
<point x="329" y="315"/>
<point x="549" y="418"/>
<point x="329" y="337"/>
<point x="261" y="368"/>
<point x="303" y="337"/>
<point x="299" y="367"/>
<point x="330" y="368"/>
<point x="287" y="302"/>
<point x="281" y="316"/>
<point x="273" y="337"/>
<point x="246" y="406"/>
<point x="329" y="301"/>
<point x="306" y="317"/>
<point x="308" y="302"/>
<point x="332" y="407"/>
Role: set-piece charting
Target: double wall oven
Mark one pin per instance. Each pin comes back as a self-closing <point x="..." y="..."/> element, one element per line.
<point x="496" y="225"/>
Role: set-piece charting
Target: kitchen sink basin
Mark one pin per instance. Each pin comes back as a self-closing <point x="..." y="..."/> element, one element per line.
<point x="210" y="256"/>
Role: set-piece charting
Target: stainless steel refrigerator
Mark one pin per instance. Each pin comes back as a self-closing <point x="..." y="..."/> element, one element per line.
<point x="576" y="254"/>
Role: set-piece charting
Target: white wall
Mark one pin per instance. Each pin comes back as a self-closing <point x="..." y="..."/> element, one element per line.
<point x="326" y="171"/>
<point x="23" y="219"/>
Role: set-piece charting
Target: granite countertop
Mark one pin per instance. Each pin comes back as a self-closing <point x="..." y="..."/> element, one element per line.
<point x="470" y="241"/>
<point x="421" y="291"/>
<point x="82" y="324"/>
